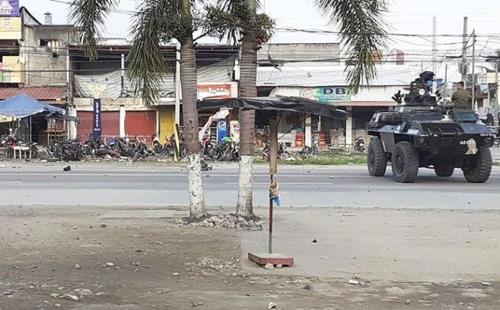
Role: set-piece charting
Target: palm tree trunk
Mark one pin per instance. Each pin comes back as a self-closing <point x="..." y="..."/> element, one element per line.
<point x="190" y="116"/>
<point x="248" y="88"/>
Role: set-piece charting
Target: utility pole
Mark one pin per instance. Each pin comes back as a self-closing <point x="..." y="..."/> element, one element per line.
<point x="445" y="82"/>
<point x="495" y="107"/>
<point x="434" y="43"/>
<point x="122" y="73"/>
<point x="472" y="70"/>
<point x="464" y="52"/>
<point x="123" y="111"/>
<point x="69" y="83"/>
<point x="178" y="88"/>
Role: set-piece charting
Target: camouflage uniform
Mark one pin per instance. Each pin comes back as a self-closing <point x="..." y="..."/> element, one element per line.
<point x="461" y="100"/>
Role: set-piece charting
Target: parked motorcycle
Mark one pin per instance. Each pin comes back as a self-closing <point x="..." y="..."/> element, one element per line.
<point x="226" y="151"/>
<point x="8" y="143"/>
<point x="140" y="150"/>
<point x="165" y="150"/>
<point x="34" y="149"/>
<point x="309" y="152"/>
<point x="68" y="150"/>
<point x="283" y="154"/>
<point x="208" y="150"/>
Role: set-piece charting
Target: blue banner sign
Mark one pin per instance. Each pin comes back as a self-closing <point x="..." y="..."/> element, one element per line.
<point x="97" y="129"/>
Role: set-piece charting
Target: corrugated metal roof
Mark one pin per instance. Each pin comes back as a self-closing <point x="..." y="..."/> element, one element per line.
<point x="39" y="93"/>
<point x="298" y="52"/>
<point x="330" y="75"/>
<point x="218" y="72"/>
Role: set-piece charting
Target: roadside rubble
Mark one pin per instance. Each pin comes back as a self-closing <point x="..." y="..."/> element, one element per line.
<point x="76" y="296"/>
<point x="216" y="264"/>
<point x="227" y="221"/>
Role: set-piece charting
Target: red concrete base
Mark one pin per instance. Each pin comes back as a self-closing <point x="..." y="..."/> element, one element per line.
<point x="263" y="259"/>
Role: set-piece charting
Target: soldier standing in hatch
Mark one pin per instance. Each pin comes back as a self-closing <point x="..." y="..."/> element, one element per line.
<point x="461" y="99"/>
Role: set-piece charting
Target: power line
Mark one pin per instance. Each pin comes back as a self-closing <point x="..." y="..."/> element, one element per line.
<point x="445" y="14"/>
<point x="421" y="35"/>
<point x="224" y="57"/>
<point x="110" y="48"/>
<point x="314" y="64"/>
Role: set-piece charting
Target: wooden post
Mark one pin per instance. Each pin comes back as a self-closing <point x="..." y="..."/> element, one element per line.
<point x="272" y="258"/>
<point x="273" y="144"/>
<point x="273" y="169"/>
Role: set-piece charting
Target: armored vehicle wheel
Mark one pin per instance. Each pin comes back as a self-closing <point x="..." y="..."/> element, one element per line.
<point x="404" y="162"/>
<point x="377" y="160"/>
<point x="444" y="170"/>
<point x="481" y="170"/>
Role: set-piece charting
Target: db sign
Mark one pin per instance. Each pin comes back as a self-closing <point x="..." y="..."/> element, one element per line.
<point x="327" y="94"/>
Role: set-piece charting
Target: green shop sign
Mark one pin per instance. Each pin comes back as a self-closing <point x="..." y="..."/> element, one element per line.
<point x="327" y="94"/>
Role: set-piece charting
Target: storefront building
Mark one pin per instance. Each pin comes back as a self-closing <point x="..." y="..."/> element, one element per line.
<point x="123" y="112"/>
<point x="34" y="62"/>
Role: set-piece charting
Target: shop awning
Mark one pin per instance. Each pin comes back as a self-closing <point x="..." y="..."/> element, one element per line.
<point x="22" y="106"/>
<point x="284" y="104"/>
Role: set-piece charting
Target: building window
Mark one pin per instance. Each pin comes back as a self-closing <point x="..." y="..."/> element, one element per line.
<point x="51" y="45"/>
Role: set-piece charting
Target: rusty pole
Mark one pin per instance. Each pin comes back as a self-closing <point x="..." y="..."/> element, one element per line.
<point x="270" y="249"/>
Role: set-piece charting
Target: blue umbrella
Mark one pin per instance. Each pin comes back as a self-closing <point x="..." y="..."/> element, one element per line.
<point x="22" y="106"/>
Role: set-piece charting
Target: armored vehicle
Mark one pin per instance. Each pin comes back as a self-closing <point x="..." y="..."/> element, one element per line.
<point x="420" y="133"/>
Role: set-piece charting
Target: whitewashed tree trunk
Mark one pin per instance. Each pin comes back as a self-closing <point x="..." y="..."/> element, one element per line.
<point x="245" y="194"/>
<point x="190" y="115"/>
<point x="248" y="88"/>
<point x="196" y="198"/>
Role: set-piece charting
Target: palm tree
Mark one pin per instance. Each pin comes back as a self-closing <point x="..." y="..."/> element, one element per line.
<point x="157" y="22"/>
<point x="237" y="20"/>
<point x="362" y="32"/>
<point x="248" y="88"/>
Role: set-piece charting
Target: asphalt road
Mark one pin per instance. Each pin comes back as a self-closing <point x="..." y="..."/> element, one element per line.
<point x="133" y="186"/>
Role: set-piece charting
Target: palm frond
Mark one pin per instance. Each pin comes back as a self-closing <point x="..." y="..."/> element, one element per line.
<point x="234" y="5"/>
<point x="89" y="16"/>
<point x="265" y="28"/>
<point x="362" y="34"/>
<point x="221" y="24"/>
<point x="157" y="22"/>
<point x="231" y="19"/>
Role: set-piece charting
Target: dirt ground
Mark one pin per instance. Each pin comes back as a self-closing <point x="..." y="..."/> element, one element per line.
<point x="154" y="264"/>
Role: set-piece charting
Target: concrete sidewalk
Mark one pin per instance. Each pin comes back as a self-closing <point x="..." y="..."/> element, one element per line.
<point x="378" y="244"/>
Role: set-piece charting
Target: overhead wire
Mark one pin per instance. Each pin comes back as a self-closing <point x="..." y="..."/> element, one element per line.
<point x="389" y="34"/>
<point x="312" y="65"/>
